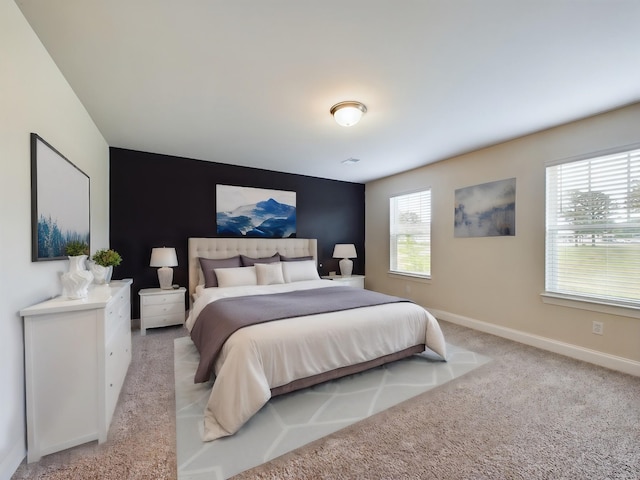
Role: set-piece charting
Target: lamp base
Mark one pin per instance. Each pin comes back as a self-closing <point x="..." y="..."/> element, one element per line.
<point x="165" y="277"/>
<point x="346" y="267"/>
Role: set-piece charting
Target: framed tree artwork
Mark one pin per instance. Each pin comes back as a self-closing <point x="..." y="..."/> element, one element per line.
<point x="60" y="196"/>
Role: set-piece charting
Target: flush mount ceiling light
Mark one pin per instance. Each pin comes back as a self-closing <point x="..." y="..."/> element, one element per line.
<point x="348" y="113"/>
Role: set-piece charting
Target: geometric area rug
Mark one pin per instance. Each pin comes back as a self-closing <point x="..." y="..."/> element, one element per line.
<point x="292" y="420"/>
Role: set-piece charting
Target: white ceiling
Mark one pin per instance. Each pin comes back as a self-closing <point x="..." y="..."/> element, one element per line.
<point x="250" y="82"/>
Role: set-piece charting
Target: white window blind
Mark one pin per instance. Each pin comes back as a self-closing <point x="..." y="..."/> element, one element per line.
<point x="410" y="233"/>
<point x="593" y="228"/>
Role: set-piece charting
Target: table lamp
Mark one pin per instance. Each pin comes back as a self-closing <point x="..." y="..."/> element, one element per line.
<point x="165" y="258"/>
<point x="345" y="251"/>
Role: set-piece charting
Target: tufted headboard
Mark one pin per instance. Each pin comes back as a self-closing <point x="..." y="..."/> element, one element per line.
<point x="251" y="247"/>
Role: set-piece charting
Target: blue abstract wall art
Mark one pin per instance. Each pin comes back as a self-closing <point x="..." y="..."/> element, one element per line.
<point x="255" y="212"/>
<point x="486" y="210"/>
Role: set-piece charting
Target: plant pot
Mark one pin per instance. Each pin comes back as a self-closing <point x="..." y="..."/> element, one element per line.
<point x="101" y="275"/>
<point x="75" y="282"/>
<point x="77" y="263"/>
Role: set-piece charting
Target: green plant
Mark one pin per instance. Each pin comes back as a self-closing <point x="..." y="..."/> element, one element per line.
<point x="107" y="258"/>
<point x="76" y="247"/>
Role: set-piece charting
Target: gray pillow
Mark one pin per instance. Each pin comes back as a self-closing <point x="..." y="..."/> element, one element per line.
<point x="294" y="259"/>
<point x="250" y="262"/>
<point x="209" y="264"/>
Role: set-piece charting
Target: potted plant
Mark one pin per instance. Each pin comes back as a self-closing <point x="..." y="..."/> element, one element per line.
<point x="104" y="261"/>
<point x="77" y="251"/>
<point x="75" y="248"/>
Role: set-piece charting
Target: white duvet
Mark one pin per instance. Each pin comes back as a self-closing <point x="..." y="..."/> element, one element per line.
<point x="260" y="357"/>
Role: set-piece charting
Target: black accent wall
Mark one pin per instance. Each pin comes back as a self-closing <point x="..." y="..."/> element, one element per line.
<point x="161" y="200"/>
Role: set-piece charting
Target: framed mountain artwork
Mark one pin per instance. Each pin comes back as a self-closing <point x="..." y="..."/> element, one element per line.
<point x="255" y="212"/>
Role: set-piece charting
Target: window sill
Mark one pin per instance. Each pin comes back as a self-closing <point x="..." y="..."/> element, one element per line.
<point x="410" y="276"/>
<point x="591" y="304"/>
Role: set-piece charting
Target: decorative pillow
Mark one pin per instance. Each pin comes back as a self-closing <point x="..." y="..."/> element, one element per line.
<point x="294" y="259"/>
<point x="269" y="273"/>
<point x="208" y="265"/>
<point x="299" y="271"/>
<point x="236" y="277"/>
<point x="250" y="262"/>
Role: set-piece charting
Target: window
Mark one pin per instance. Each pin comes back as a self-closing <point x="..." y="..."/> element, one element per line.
<point x="410" y="233"/>
<point x="593" y="228"/>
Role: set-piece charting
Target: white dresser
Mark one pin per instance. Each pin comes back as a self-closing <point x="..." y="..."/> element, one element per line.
<point x="77" y="353"/>
<point x="161" y="308"/>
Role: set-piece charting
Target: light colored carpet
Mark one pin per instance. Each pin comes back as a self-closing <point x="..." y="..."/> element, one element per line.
<point x="527" y="414"/>
<point x="289" y="421"/>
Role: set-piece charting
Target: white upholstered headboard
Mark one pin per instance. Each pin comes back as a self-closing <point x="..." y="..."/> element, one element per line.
<point x="251" y="247"/>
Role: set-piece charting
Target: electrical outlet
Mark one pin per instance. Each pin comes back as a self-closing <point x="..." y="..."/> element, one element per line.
<point x="597" y="328"/>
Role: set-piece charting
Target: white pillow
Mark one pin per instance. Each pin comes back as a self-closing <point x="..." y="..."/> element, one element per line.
<point x="269" y="273"/>
<point x="236" y="276"/>
<point x="299" y="271"/>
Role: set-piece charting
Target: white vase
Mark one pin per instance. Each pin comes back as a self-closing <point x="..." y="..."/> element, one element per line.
<point x="101" y="275"/>
<point x="75" y="282"/>
<point x="77" y="263"/>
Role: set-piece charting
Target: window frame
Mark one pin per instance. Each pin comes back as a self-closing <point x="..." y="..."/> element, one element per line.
<point x="566" y="297"/>
<point x="393" y="236"/>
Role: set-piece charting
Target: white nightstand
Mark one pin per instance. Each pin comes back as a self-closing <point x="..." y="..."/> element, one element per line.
<point x="352" y="281"/>
<point x="161" y="308"/>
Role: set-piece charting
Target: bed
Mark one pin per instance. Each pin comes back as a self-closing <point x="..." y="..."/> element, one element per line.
<point x="265" y="324"/>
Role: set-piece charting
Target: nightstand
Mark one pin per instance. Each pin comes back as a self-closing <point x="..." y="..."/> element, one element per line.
<point x="161" y="308"/>
<point x="352" y="281"/>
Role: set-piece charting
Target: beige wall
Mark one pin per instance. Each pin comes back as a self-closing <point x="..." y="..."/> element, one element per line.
<point x="35" y="97"/>
<point x="494" y="283"/>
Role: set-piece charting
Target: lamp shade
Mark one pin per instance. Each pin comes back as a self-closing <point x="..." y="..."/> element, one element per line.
<point x="163" y="257"/>
<point x="344" y="250"/>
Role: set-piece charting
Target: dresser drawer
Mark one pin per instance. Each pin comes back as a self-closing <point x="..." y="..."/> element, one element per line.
<point x="117" y="359"/>
<point x="117" y="316"/>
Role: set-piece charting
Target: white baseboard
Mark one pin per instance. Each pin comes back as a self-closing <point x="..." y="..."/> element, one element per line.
<point x="12" y="461"/>
<point x="613" y="362"/>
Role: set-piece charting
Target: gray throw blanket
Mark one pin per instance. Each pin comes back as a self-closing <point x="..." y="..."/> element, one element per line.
<point x="220" y="319"/>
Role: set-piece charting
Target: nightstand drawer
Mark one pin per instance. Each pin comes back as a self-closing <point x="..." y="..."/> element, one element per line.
<point x="167" y="298"/>
<point x="352" y="281"/>
<point x="167" y="309"/>
<point x="164" y="320"/>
